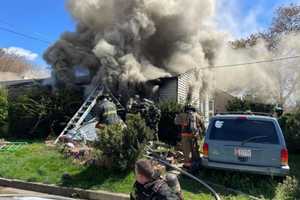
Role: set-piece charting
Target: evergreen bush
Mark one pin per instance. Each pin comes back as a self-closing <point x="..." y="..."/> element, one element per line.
<point x="118" y="147"/>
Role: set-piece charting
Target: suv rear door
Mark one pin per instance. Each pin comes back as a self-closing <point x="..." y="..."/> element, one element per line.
<point x="244" y="140"/>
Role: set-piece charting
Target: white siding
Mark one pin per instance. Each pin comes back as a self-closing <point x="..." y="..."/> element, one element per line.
<point x="184" y="82"/>
<point x="168" y="91"/>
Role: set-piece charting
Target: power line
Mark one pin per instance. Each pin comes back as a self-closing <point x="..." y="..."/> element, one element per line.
<point x="201" y="68"/>
<point x="2" y="21"/>
<point x="213" y="67"/>
<point x="256" y="62"/>
<point x="24" y="35"/>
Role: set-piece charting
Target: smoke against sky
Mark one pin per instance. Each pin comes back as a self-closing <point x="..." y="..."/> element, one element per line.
<point x="127" y="42"/>
<point x="133" y="41"/>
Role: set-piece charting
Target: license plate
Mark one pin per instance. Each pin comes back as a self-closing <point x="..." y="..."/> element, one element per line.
<point x="242" y="152"/>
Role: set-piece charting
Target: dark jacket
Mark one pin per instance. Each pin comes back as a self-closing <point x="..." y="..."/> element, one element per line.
<point x="107" y="112"/>
<point x="154" y="190"/>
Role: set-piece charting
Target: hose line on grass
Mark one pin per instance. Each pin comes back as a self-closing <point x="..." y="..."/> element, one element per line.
<point x="149" y="150"/>
<point x="217" y="197"/>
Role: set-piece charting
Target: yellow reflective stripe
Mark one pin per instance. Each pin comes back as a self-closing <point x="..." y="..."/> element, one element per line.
<point x="110" y="113"/>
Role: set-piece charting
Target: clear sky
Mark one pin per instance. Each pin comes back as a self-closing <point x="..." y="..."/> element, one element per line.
<point x="47" y="19"/>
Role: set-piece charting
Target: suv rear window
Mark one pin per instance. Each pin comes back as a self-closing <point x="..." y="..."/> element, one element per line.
<point x="240" y="130"/>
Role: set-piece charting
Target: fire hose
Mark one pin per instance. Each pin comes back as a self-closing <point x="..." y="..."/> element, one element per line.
<point x="150" y="150"/>
<point x="154" y="156"/>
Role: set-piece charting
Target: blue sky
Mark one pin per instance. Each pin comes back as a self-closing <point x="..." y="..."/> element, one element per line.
<point x="47" y="19"/>
<point x="44" y="19"/>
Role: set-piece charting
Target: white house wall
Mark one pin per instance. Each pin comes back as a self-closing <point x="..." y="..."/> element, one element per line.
<point x="184" y="82"/>
<point x="168" y="92"/>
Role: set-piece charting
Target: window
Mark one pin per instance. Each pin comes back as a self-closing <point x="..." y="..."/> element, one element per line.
<point x="242" y="129"/>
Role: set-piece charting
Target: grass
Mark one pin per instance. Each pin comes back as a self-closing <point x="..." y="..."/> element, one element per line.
<point x="39" y="163"/>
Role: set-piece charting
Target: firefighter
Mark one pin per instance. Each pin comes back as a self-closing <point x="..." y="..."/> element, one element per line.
<point x="148" y="187"/>
<point x="152" y="114"/>
<point x="278" y="112"/>
<point x="198" y="129"/>
<point x="148" y="111"/>
<point x="191" y="127"/>
<point x="173" y="183"/>
<point x="106" y="111"/>
<point x="133" y="105"/>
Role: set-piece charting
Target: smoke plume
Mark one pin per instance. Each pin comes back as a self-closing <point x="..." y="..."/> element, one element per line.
<point x="126" y="43"/>
<point x="123" y="43"/>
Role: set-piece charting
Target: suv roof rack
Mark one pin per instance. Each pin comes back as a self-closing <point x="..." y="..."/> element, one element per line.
<point x="246" y="113"/>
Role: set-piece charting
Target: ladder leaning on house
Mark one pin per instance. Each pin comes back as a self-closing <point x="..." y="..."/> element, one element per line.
<point x="79" y="117"/>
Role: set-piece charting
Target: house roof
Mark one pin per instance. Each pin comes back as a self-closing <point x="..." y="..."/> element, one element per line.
<point x="22" y="82"/>
<point x="161" y="80"/>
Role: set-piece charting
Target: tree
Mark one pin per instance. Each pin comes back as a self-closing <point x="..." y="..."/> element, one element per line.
<point x="290" y="125"/>
<point x="39" y="112"/>
<point x="281" y="41"/>
<point x="249" y="103"/>
<point x="13" y="63"/>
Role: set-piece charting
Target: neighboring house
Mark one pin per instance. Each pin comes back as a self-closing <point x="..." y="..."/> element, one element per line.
<point x="221" y="100"/>
<point x="18" y="87"/>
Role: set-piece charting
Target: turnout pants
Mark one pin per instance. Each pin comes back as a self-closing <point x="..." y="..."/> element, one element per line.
<point x="190" y="148"/>
<point x="187" y="145"/>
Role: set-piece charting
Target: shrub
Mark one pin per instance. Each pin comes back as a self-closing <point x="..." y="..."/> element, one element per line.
<point x="249" y="105"/>
<point x="3" y="107"/>
<point x="3" y="112"/>
<point x="168" y="131"/>
<point x="120" y="147"/>
<point x="26" y="116"/>
<point x="287" y="190"/>
<point x="290" y="125"/>
<point x="37" y="112"/>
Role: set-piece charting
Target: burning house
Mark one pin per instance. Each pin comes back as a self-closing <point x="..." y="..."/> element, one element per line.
<point x="179" y="89"/>
<point x="124" y="44"/>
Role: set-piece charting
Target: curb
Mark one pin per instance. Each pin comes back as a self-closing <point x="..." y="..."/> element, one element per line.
<point x="63" y="191"/>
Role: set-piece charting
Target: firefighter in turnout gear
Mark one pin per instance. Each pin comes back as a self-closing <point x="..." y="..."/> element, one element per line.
<point x="148" y="111"/>
<point x="133" y="105"/>
<point x="152" y="114"/>
<point x="149" y="187"/>
<point x="192" y="126"/>
<point x="106" y="111"/>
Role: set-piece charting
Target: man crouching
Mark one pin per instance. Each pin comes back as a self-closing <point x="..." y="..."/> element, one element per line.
<point x="147" y="187"/>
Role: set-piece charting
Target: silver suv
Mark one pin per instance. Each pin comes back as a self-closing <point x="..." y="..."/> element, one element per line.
<point x="248" y="143"/>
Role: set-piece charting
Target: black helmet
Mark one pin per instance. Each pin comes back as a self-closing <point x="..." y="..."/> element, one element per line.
<point x="103" y="96"/>
<point x="279" y="110"/>
<point x="172" y="180"/>
<point x="189" y="107"/>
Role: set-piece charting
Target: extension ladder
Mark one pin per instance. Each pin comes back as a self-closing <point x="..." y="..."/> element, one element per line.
<point x="79" y="117"/>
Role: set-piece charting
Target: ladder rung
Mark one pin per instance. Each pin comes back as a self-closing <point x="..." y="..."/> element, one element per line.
<point x="79" y="117"/>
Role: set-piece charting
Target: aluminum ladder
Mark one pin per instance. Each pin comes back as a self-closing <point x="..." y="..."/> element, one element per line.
<point x="79" y="117"/>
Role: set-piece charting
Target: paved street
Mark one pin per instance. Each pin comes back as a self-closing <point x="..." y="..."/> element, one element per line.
<point x="16" y="194"/>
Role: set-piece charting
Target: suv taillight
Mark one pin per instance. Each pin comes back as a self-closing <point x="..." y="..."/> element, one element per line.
<point x="284" y="157"/>
<point x="205" y="150"/>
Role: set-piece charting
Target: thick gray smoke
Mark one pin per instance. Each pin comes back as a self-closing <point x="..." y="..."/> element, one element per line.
<point x="270" y="82"/>
<point x="127" y="42"/>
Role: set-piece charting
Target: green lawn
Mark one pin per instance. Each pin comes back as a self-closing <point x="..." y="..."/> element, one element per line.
<point x="38" y="163"/>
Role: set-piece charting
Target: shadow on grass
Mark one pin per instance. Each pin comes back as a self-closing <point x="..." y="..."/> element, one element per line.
<point x="256" y="185"/>
<point x="192" y="186"/>
<point x="95" y="178"/>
